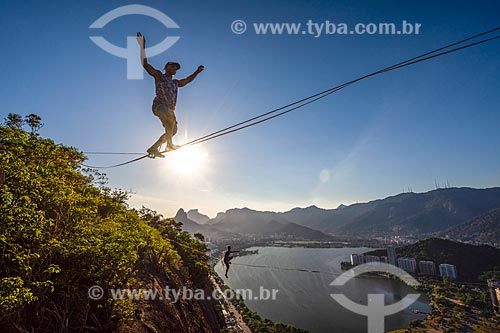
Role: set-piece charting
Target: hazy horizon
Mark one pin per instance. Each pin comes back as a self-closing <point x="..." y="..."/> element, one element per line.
<point x="211" y="216"/>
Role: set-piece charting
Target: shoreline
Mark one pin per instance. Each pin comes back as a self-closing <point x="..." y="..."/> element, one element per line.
<point x="453" y="306"/>
<point x="248" y="319"/>
<point x="371" y="276"/>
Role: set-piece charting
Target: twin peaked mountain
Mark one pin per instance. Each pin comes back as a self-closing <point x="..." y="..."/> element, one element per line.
<point x="448" y="210"/>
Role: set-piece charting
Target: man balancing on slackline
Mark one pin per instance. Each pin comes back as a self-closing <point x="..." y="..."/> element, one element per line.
<point x="227" y="258"/>
<point x="166" y="97"/>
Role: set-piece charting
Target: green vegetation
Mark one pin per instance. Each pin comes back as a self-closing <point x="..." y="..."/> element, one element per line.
<point x="456" y="308"/>
<point x="494" y="273"/>
<point x="63" y="230"/>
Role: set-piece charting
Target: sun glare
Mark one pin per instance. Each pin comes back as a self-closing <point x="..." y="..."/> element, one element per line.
<point x="189" y="161"/>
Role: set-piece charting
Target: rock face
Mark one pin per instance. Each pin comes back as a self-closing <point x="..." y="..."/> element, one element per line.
<point x="186" y="316"/>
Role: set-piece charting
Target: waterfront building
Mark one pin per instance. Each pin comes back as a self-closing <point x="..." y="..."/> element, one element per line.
<point x="357" y="259"/>
<point x="448" y="270"/>
<point x="369" y="258"/>
<point x="408" y="264"/>
<point x="427" y="267"/>
<point x="391" y="254"/>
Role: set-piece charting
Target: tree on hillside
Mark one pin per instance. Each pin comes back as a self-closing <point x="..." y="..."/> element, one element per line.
<point x="14" y="121"/>
<point x="34" y="122"/>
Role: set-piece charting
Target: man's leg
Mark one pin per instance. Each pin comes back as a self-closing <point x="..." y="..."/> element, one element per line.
<point x="173" y="124"/>
<point x="167" y="119"/>
<point x="170" y="124"/>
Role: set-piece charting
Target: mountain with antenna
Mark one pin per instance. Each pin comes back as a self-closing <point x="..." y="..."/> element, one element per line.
<point x="406" y="213"/>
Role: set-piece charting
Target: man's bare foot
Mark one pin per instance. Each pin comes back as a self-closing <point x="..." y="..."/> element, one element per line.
<point x="152" y="152"/>
<point x="173" y="147"/>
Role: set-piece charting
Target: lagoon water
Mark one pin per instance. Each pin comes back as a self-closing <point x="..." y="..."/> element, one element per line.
<point x="304" y="298"/>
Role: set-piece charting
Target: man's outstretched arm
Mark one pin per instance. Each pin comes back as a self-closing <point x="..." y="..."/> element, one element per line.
<point x="150" y="69"/>
<point x="191" y="77"/>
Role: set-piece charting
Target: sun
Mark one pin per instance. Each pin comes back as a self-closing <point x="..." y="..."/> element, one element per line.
<point x="188" y="161"/>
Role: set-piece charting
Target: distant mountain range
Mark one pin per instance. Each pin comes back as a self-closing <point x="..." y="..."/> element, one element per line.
<point x="417" y="213"/>
<point x="484" y="229"/>
<point x="207" y="230"/>
<point x="197" y="217"/>
<point x="257" y="228"/>
<point x="403" y="214"/>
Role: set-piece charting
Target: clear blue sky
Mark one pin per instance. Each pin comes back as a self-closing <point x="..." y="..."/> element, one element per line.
<point x="438" y="120"/>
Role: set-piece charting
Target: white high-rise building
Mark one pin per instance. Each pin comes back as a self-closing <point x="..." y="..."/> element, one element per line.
<point x="391" y="254"/>
<point x="408" y="264"/>
<point x="357" y="259"/>
<point x="427" y="267"/>
<point x="448" y="270"/>
<point x="369" y="258"/>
